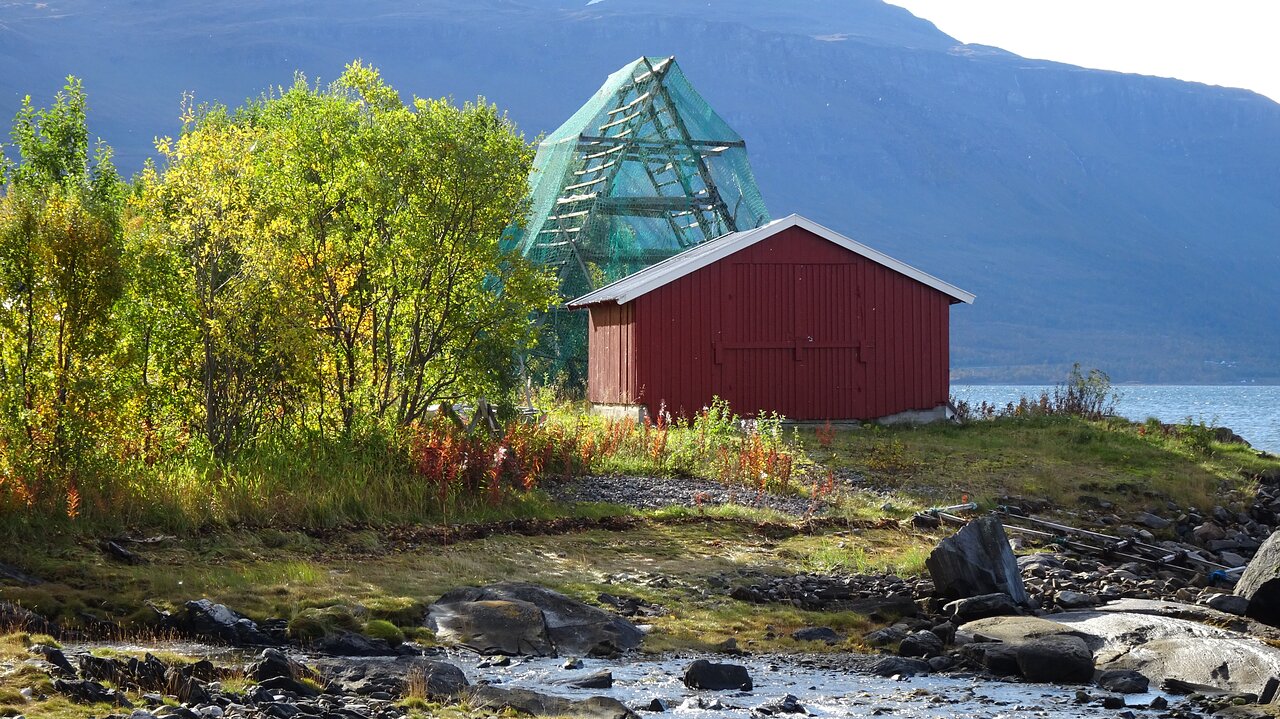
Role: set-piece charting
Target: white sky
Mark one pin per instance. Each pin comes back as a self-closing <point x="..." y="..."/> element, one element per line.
<point x="1221" y="42"/>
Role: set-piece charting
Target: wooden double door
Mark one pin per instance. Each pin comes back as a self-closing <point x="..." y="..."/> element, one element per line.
<point x="790" y="340"/>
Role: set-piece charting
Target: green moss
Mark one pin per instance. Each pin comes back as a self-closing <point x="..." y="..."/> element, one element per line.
<point x="313" y="623"/>
<point x="401" y="611"/>
<point x="382" y="629"/>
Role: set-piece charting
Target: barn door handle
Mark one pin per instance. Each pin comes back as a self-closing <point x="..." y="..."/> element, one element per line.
<point x="716" y="352"/>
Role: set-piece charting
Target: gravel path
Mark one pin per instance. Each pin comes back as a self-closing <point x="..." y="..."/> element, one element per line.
<point x="658" y="492"/>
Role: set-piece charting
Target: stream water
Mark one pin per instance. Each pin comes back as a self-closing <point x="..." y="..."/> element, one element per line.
<point x="826" y="685"/>
<point x="824" y="691"/>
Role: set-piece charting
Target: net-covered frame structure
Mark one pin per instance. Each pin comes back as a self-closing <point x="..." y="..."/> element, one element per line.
<point x="644" y="170"/>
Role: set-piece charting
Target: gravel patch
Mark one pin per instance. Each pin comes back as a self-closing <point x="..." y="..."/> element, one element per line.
<point x="659" y="492"/>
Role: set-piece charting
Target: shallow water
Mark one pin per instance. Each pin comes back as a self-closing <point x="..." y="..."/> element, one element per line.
<point x="827" y="686"/>
<point x="824" y="692"/>
<point x="1253" y="411"/>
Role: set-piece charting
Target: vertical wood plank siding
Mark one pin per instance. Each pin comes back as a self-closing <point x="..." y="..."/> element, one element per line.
<point x="793" y="324"/>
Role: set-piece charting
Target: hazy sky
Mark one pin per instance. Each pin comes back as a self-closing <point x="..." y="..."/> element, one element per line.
<point x="1220" y="42"/>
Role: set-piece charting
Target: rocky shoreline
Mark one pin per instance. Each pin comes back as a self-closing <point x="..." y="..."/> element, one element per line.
<point x="1092" y="632"/>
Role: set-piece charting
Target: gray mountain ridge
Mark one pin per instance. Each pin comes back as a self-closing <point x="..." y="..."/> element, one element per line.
<point x="1126" y="222"/>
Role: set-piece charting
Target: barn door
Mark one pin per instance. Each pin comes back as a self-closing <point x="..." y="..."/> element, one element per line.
<point x="830" y="379"/>
<point x="757" y="349"/>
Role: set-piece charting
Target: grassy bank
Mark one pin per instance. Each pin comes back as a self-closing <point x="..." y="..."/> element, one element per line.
<point x="306" y="532"/>
<point x="354" y="539"/>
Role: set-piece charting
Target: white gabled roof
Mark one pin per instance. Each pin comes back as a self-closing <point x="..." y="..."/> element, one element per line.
<point x="699" y="256"/>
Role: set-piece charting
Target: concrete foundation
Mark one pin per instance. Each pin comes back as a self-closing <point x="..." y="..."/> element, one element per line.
<point x="919" y="416"/>
<point x="620" y="411"/>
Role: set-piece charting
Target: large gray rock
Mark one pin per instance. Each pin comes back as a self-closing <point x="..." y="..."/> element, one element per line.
<point x="491" y="626"/>
<point x="1060" y="659"/>
<point x="1010" y="629"/>
<point x="923" y="644"/>
<point x="703" y="674"/>
<point x="976" y="560"/>
<point x="494" y="699"/>
<point x="206" y="619"/>
<point x="1165" y="647"/>
<point x="1260" y="583"/>
<point x="515" y="618"/>
<point x="438" y="680"/>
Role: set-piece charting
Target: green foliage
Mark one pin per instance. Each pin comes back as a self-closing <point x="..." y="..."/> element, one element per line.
<point x="309" y="274"/>
<point x="1084" y="395"/>
<point x="60" y="281"/>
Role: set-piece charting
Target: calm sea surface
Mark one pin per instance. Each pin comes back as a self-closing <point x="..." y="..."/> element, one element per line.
<point x="1253" y="411"/>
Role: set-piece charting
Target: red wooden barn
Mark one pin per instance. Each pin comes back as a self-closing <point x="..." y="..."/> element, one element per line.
<point x="790" y="317"/>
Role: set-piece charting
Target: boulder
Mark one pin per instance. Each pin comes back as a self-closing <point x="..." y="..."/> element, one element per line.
<point x="884" y="637"/>
<point x="1011" y="629"/>
<point x="437" y="680"/>
<point x="1163" y="647"/>
<point x="999" y="658"/>
<point x="981" y="607"/>
<point x="54" y="656"/>
<point x="272" y="663"/>
<point x="491" y="699"/>
<point x="924" y="644"/>
<point x="789" y="704"/>
<point x="1260" y="583"/>
<point x="15" y="618"/>
<point x="289" y="684"/>
<point x="1124" y="681"/>
<point x="1229" y="603"/>
<point x="703" y="674"/>
<point x="899" y="666"/>
<point x="87" y="691"/>
<point x="976" y="560"/>
<point x="598" y="680"/>
<point x="343" y="643"/>
<point x="491" y="626"/>
<point x="515" y="618"/>
<point x="205" y="619"/>
<point x="1147" y="519"/>
<point x="1059" y="659"/>
<point x="816" y="634"/>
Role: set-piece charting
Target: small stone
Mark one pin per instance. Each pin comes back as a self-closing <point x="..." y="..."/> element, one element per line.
<point x="1229" y="603"/>
<point x="1113" y="702"/>
<point x="1154" y="522"/>
<point x="923" y="644"/>
<point x="1123" y="681"/>
<point x="1159" y="704"/>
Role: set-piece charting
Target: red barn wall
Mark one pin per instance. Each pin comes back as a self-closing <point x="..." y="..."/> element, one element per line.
<point x="792" y="324"/>
<point x="611" y="369"/>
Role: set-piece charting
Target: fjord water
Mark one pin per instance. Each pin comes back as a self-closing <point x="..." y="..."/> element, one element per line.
<point x="1252" y="411"/>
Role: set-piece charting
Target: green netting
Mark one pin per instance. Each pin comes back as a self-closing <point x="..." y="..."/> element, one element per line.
<point x="644" y="170"/>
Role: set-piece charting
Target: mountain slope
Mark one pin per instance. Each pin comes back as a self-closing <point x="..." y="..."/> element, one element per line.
<point x="1128" y="222"/>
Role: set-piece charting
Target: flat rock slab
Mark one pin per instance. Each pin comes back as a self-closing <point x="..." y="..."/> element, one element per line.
<point x="1163" y="647"/>
<point x="516" y="618"/>
<point x="1013" y="630"/>
<point x="545" y="705"/>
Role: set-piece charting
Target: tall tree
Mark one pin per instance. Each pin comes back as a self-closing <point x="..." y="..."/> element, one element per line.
<point x="60" y="279"/>
<point x="231" y="347"/>
<point x="389" y="216"/>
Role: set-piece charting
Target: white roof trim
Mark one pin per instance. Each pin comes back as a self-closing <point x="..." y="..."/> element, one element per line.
<point x="711" y="251"/>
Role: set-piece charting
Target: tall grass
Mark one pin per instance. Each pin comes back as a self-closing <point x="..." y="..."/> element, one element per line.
<point x="435" y="472"/>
